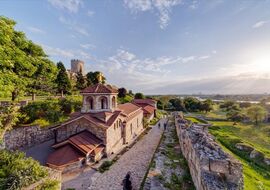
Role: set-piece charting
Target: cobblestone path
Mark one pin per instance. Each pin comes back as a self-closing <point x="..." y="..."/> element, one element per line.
<point x="136" y="160"/>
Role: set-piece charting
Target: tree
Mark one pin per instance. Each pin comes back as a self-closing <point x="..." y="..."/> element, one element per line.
<point x="8" y="118"/>
<point x="122" y="92"/>
<point x="177" y="104"/>
<point x="139" y="95"/>
<point x="256" y="113"/>
<point x="192" y="104"/>
<point x="245" y="104"/>
<point x="62" y="80"/>
<point x="93" y="78"/>
<point x="22" y="63"/>
<point x="165" y="101"/>
<point x="206" y="105"/>
<point x="235" y="115"/>
<point x="227" y="105"/>
<point x="160" y="105"/>
<point x="80" y="81"/>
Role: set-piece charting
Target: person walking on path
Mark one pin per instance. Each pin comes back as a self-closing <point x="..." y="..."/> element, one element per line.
<point x="127" y="185"/>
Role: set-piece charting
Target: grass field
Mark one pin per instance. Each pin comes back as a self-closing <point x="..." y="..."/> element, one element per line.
<point x="256" y="176"/>
<point x="194" y="120"/>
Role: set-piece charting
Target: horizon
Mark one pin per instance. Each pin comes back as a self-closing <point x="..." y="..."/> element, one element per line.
<point x="156" y="47"/>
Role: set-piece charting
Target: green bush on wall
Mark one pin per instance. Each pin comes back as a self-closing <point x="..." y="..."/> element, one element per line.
<point x="17" y="171"/>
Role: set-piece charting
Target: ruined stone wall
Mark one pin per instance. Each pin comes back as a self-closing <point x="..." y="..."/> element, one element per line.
<point x="24" y="137"/>
<point x="210" y="167"/>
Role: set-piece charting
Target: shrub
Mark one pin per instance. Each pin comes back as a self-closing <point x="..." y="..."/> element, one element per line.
<point x="17" y="171"/>
<point x="48" y="185"/>
<point x="105" y="166"/>
<point x="41" y="122"/>
<point x="66" y="106"/>
<point x="48" y="110"/>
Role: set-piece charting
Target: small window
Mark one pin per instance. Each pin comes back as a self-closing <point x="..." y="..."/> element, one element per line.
<point x="131" y="128"/>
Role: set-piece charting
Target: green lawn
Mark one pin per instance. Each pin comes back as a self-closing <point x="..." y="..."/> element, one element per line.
<point x="194" y="120"/>
<point x="256" y="176"/>
<point x="257" y="136"/>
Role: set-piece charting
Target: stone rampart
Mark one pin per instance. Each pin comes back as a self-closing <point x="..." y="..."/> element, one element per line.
<point x="24" y="137"/>
<point x="211" y="168"/>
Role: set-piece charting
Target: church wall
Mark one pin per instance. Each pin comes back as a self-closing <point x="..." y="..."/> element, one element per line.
<point x="64" y="132"/>
<point x="97" y="103"/>
<point x="136" y="124"/>
<point x="114" y="138"/>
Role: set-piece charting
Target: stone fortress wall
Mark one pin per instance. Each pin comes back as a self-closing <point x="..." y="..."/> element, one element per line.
<point x="24" y="137"/>
<point x="211" y="168"/>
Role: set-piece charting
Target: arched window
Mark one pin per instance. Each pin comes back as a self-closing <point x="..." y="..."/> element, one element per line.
<point x="104" y="102"/>
<point x="90" y="102"/>
<point x="113" y="102"/>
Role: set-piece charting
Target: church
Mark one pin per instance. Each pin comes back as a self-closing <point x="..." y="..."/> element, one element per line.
<point x="101" y="128"/>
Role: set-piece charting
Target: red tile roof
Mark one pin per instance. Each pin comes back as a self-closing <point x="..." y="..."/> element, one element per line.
<point x="98" y="150"/>
<point x="128" y="108"/>
<point x="85" y="141"/>
<point x="64" y="156"/>
<point x="144" y="101"/>
<point x="75" y="149"/>
<point x="100" y="88"/>
<point x="149" y="109"/>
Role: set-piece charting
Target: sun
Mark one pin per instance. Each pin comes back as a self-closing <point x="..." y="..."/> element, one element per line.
<point x="261" y="64"/>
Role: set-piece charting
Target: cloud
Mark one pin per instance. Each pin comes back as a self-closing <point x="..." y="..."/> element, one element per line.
<point x="194" y="5"/>
<point x="162" y="7"/>
<point x="236" y="84"/>
<point x="71" y="6"/>
<point x="204" y="57"/>
<point x="141" y="74"/>
<point x="51" y="51"/>
<point x="90" y="13"/>
<point x="260" y="24"/>
<point x="73" y="25"/>
<point x="88" y="46"/>
<point x="67" y="53"/>
<point x="36" y="30"/>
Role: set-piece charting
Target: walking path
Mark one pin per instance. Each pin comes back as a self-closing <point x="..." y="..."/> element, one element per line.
<point x="136" y="160"/>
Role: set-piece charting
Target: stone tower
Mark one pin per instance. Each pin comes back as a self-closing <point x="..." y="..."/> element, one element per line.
<point x="77" y="66"/>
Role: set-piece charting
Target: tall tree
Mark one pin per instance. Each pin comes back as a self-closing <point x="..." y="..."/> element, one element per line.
<point x="62" y="80"/>
<point x="122" y="92"/>
<point x="192" y="104"/>
<point x="177" y="104"/>
<point x="256" y="113"/>
<point x="93" y="78"/>
<point x="80" y="81"/>
<point x="21" y="61"/>
<point x="139" y="95"/>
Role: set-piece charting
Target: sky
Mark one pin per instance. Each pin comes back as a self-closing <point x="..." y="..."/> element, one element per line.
<point x="156" y="46"/>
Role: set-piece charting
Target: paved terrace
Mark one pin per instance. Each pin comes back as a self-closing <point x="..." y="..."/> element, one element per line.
<point x="136" y="160"/>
